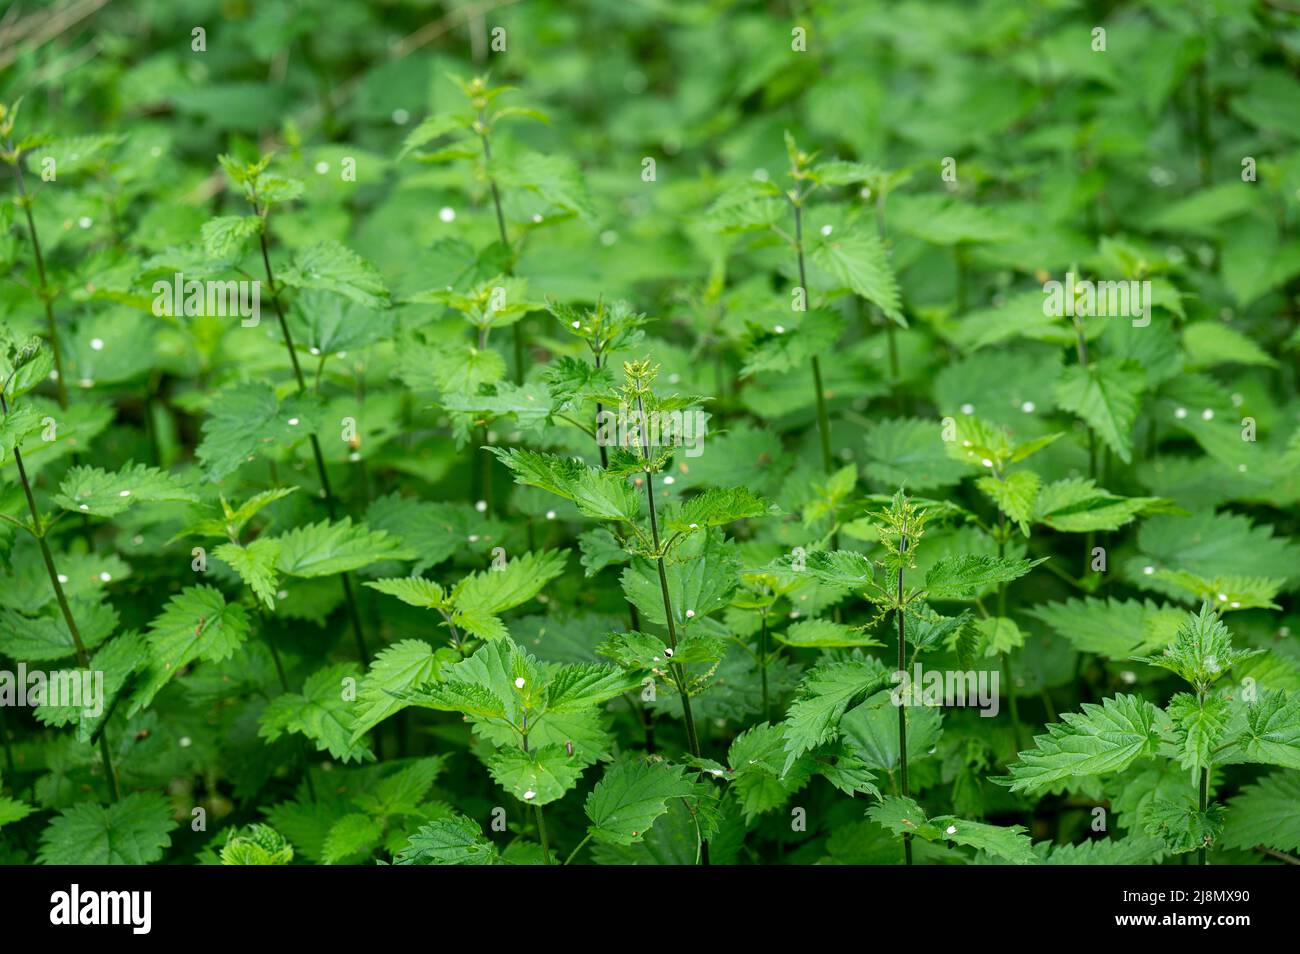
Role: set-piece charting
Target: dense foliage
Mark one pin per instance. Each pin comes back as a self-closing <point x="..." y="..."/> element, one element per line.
<point x="539" y="432"/>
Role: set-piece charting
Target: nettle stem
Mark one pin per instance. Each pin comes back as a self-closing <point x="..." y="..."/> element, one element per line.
<point x="1202" y="855"/>
<point x="505" y="241"/>
<point x="326" y="491"/>
<point x="1017" y="733"/>
<point x="902" y="709"/>
<point x="83" y="657"/>
<point x="679" y="675"/>
<point x="823" y="418"/>
<point x="47" y="298"/>
<point x="644" y="714"/>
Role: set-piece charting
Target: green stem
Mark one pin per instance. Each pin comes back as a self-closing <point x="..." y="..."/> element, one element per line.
<point x="573" y="854"/>
<point x="679" y="676"/>
<point x="763" y="643"/>
<point x="902" y="709"/>
<point x="346" y="584"/>
<point x="46" y="297"/>
<point x="541" y="834"/>
<point x="83" y="657"/>
<point x="505" y="240"/>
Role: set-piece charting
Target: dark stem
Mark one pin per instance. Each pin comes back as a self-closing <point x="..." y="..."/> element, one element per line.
<point x="83" y="658"/>
<point x="353" y="615"/>
<point x="505" y="240"/>
<point x="46" y="297"/>
<point x="679" y="676"/>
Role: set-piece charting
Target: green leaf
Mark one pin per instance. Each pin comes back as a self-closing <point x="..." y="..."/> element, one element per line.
<point x="225" y="236"/>
<point x="321" y="712"/>
<point x="353" y="835"/>
<point x="1264" y="814"/>
<point x="630" y="796"/>
<point x="333" y="267"/>
<point x="871" y="729"/>
<point x="910" y="453"/>
<point x="702" y="574"/>
<point x="41" y="638"/>
<point x="455" y="840"/>
<point x="479" y="598"/>
<point x="413" y="591"/>
<point x="1116" y="629"/>
<point x="247" y="419"/>
<point x="962" y="577"/>
<point x="12" y="810"/>
<point x="718" y="507"/>
<point x="15" y="427"/>
<point x="594" y="492"/>
<point x="1103" y="738"/>
<point x="1197" y="729"/>
<point x="1015" y="494"/>
<point x="1077" y="505"/>
<point x="825" y="634"/>
<point x="555" y="178"/>
<point x="1183" y="827"/>
<point x="536" y="777"/>
<point x="577" y="687"/>
<point x="133" y="831"/>
<point x="393" y="672"/>
<point x="256" y="845"/>
<point x="104" y="494"/>
<point x="839" y="568"/>
<point x="1271" y="735"/>
<point x="1201" y="651"/>
<point x="824" y="694"/>
<point x="1107" y="396"/>
<point x="858" y="261"/>
<point x="197" y="623"/>
<point x="118" y="660"/>
<point x="903" y="816"/>
<point x="255" y="563"/>
<point x="324" y="549"/>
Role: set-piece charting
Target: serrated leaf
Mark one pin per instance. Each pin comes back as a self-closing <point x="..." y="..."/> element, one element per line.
<point x="321" y="712"/>
<point x="394" y="671"/>
<point x="824" y="695"/>
<point x="537" y="777"/>
<point x="595" y="492"/>
<point x="197" y="623"/>
<point x="103" y="493"/>
<point x="630" y="796"/>
<point x="133" y="831"/>
<point x="225" y="236"/>
<point x="859" y="261"/>
<point x="1107" y="396"/>
<point x="333" y="267"/>
<point x="1102" y="738"/>
<point x="255" y="563"/>
<point x="963" y="576"/>
<point x="324" y="549"/>
<point x="456" y="840"/>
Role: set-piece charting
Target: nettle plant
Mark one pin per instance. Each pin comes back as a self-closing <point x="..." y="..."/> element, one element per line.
<point x="387" y="529"/>
<point x="1210" y="727"/>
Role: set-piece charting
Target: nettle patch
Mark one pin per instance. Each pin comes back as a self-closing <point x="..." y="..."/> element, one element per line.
<point x="434" y="479"/>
